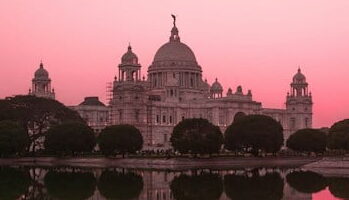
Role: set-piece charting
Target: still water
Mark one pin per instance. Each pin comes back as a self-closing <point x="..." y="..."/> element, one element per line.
<point x="130" y="184"/>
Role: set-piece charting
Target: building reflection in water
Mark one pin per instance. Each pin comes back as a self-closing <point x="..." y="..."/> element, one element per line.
<point x="127" y="184"/>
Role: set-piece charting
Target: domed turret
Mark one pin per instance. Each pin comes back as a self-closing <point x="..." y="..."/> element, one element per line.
<point x="129" y="57"/>
<point x="41" y="84"/>
<point x="129" y="69"/>
<point x="299" y="77"/>
<point x="41" y="73"/>
<point x="216" y="90"/>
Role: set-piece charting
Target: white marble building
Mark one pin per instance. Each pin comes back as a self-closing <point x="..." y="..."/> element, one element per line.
<point x="174" y="90"/>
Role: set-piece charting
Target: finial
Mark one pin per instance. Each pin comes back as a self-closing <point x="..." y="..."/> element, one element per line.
<point x="216" y="79"/>
<point x="41" y="64"/>
<point x="299" y="68"/>
<point x="129" y="46"/>
<point x="174" y="19"/>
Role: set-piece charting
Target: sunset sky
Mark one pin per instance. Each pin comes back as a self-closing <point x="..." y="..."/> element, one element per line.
<point x="258" y="44"/>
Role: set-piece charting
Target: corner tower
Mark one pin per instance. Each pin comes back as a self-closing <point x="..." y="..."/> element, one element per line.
<point x="41" y="84"/>
<point x="299" y="104"/>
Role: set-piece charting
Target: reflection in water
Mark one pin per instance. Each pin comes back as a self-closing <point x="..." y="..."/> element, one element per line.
<point x="339" y="187"/>
<point x="204" y="186"/>
<point x="13" y="183"/>
<point x="253" y="185"/>
<point x="122" y="184"/>
<point x="116" y="185"/>
<point x="306" y="182"/>
<point x="70" y="185"/>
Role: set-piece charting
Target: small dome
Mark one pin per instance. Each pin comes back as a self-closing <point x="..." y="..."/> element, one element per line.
<point x="41" y="73"/>
<point x="239" y="90"/>
<point x="299" y="77"/>
<point x="129" y="57"/>
<point x="216" y="87"/>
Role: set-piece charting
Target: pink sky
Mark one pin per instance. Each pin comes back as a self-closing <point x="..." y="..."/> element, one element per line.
<point x="256" y="43"/>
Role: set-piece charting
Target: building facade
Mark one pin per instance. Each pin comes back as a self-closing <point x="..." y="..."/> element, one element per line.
<point x="175" y="90"/>
<point x="94" y="112"/>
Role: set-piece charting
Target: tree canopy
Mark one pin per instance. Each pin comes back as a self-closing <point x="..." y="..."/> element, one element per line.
<point x="70" y="185"/>
<point x="254" y="133"/>
<point x="205" y="186"/>
<point x="338" y="137"/>
<point x="36" y="115"/>
<point x="116" y="185"/>
<point x="120" y="139"/>
<point x="307" y="140"/>
<point x="196" y="136"/>
<point x="69" y="138"/>
<point x="13" y="183"/>
<point x="267" y="187"/>
<point x="306" y="182"/>
<point x="339" y="187"/>
<point x="13" y="138"/>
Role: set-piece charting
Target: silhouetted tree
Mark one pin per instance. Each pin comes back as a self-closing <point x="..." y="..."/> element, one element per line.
<point x="339" y="187"/>
<point x="36" y="115"/>
<point x="116" y="185"/>
<point x="70" y="138"/>
<point x="13" y="138"/>
<point x="196" y="136"/>
<point x="205" y="186"/>
<point x="70" y="185"/>
<point x="120" y="139"/>
<point x="267" y="187"/>
<point x="13" y="183"/>
<point x="307" y="140"/>
<point x="254" y="133"/>
<point x="306" y="182"/>
<point x="338" y="137"/>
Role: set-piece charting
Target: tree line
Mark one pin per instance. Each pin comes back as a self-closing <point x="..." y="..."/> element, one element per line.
<point x="28" y="122"/>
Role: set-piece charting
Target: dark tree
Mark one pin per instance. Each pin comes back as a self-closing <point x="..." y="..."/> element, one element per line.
<point x="306" y="182"/>
<point x="69" y="138"/>
<point x="203" y="186"/>
<point x="120" y="139"/>
<point x="13" y="183"/>
<point x="339" y="187"/>
<point x="36" y="115"/>
<point x="307" y="140"/>
<point x="116" y="185"/>
<point x="267" y="187"/>
<point x="13" y="138"/>
<point x="196" y="136"/>
<point x="254" y="133"/>
<point x="338" y="137"/>
<point x="70" y="185"/>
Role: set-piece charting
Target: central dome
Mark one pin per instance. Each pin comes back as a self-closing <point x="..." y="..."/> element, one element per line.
<point x="174" y="51"/>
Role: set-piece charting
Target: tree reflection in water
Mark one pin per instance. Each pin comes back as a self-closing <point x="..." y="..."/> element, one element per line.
<point x="115" y="185"/>
<point x="254" y="186"/>
<point x="70" y="185"/>
<point x="204" y="186"/>
<point x="339" y="187"/>
<point x="306" y="181"/>
<point x="13" y="183"/>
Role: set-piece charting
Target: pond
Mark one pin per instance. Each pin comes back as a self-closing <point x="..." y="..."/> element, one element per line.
<point x="203" y="184"/>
